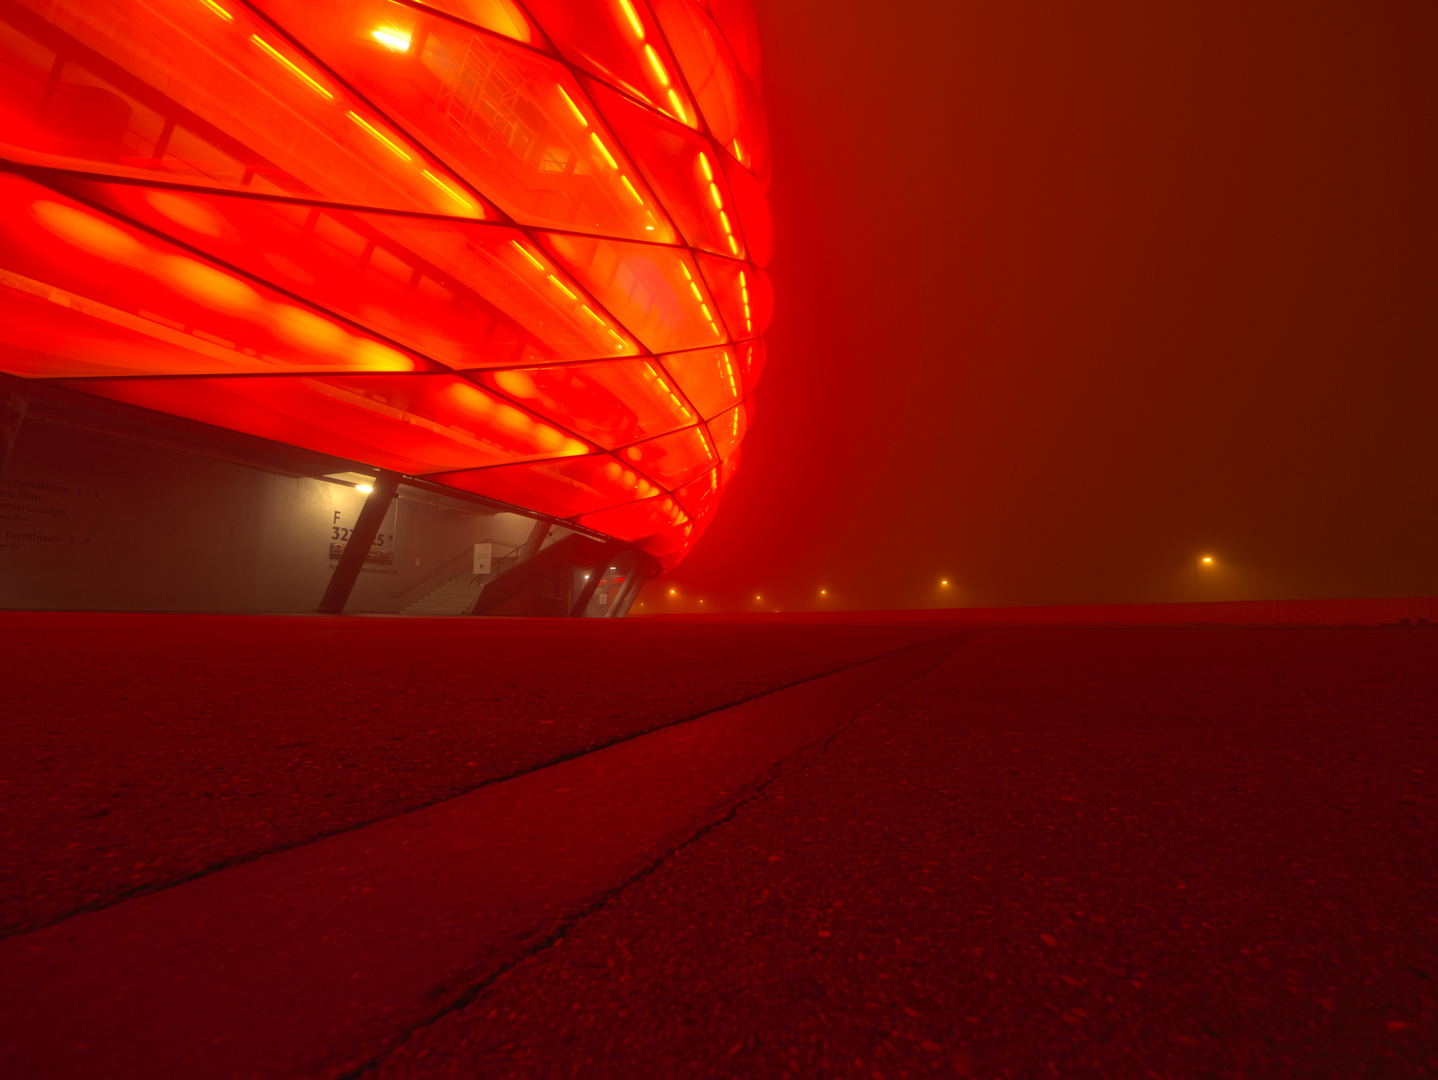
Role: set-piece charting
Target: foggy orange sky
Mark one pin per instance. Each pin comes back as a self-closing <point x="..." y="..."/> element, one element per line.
<point x="1069" y="295"/>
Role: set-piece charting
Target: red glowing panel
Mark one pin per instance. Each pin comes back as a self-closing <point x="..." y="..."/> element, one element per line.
<point x="670" y="460"/>
<point x="638" y="521"/>
<point x="750" y="355"/>
<point x="296" y="218"/>
<point x="735" y="18"/>
<point x="726" y="97"/>
<point x="700" y="497"/>
<point x="561" y="488"/>
<point x="743" y="293"/>
<point x="84" y="294"/>
<point x="203" y="93"/>
<point x="753" y="210"/>
<point x="514" y="123"/>
<point x="618" y="41"/>
<point x="680" y="166"/>
<point x="710" y="378"/>
<point x="613" y="403"/>
<point x="466" y="295"/>
<point x="501" y="16"/>
<point x="728" y="429"/>
<point x="409" y="423"/>
<point x="657" y="292"/>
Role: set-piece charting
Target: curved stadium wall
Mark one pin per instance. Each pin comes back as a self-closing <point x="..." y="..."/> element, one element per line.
<point x="364" y="305"/>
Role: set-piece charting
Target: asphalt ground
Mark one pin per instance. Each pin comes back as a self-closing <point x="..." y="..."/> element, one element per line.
<point x="1083" y="852"/>
<point x="137" y="751"/>
<point x="1070" y="852"/>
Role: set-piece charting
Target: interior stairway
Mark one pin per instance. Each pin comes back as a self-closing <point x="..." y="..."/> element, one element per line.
<point x="455" y="597"/>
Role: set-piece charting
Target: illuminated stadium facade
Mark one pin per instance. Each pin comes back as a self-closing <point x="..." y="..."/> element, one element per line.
<point x="369" y="306"/>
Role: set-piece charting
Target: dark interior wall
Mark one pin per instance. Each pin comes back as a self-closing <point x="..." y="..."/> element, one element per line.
<point x="93" y="521"/>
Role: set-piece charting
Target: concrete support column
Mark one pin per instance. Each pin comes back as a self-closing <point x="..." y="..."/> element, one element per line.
<point x="337" y="594"/>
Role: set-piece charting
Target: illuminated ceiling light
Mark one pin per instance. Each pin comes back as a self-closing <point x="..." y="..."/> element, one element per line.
<point x="823" y="592"/>
<point x="671" y="592"/>
<point x="392" y="39"/>
<point x="944" y="582"/>
<point x="625" y="181"/>
<point x="363" y="489"/>
<point x="294" y="69"/>
<point x="221" y="12"/>
<point x="1208" y="558"/>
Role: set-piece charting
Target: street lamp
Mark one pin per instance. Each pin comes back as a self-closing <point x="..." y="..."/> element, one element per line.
<point x="1201" y="561"/>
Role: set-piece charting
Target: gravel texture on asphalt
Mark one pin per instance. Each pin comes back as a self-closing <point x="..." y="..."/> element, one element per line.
<point x="139" y="750"/>
<point x="1068" y="852"/>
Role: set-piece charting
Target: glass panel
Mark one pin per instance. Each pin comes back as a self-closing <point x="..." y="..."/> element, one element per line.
<point x="559" y="488"/>
<point x="408" y="423"/>
<point x="513" y="123"/>
<point x="657" y="292"/>
<point x="501" y="16"/>
<point x="728" y="430"/>
<point x="679" y="165"/>
<point x="726" y="97"/>
<point x="615" y="579"/>
<point x="670" y="460"/>
<point x="205" y="92"/>
<point x="708" y="377"/>
<point x="613" y="403"/>
<point x="637" y="521"/>
<point x="753" y="208"/>
<point x="751" y="362"/>
<point x="618" y="41"/>
<point x="741" y="30"/>
<point x="743" y="293"/>
<point x="467" y="295"/>
<point x="700" y="497"/>
<point x="729" y="467"/>
<point x="435" y="553"/>
<point x="84" y="294"/>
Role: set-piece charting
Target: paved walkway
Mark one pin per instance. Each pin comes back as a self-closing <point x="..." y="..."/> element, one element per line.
<point x="1074" y="852"/>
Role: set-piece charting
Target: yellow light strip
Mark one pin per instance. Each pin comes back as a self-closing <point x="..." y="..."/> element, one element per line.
<point x="572" y="107"/>
<point x="293" y="69"/>
<point x="380" y="136"/>
<point x="630" y="186"/>
<point x="604" y="150"/>
<point x="678" y="108"/>
<point x="561" y="287"/>
<point x="221" y="12"/>
<point x="525" y="252"/>
<point x="456" y="196"/>
<point x="657" y="65"/>
<point x="633" y="19"/>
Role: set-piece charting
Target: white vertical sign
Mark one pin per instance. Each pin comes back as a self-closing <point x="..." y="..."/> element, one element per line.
<point x="483" y="554"/>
